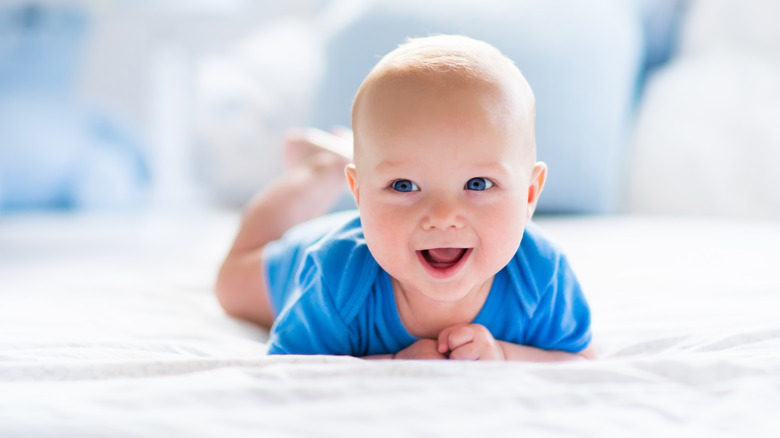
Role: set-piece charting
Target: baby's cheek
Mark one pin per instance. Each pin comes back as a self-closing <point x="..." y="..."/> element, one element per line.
<point x="384" y="244"/>
<point x="505" y="233"/>
<point x="502" y="249"/>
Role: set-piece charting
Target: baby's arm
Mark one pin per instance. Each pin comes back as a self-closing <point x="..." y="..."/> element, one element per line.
<point x="475" y="342"/>
<point x="533" y="354"/>
<point x="422" y="349"/>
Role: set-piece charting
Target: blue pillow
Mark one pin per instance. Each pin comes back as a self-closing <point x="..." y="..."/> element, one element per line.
<point x="56" y="151"/>
<point x="60" y="154"/>
<point x="583" y="60"/>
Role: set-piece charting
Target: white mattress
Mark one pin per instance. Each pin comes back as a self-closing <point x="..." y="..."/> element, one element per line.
<point x="108" y="327"/>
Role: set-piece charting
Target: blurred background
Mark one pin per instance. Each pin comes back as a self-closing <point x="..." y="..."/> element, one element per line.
<point x="643" y="106"/>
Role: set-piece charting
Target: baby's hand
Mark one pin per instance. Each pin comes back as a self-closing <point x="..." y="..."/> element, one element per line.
<point x="422" y="349"/>
<point x="469" y="342"/>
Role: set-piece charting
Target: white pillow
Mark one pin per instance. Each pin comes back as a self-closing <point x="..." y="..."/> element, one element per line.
<point x="750" y="25"/>
<point x="707" y="139"/>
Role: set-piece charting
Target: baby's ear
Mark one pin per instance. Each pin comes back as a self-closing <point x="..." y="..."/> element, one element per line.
<point x="351" y="172"/>
<point x="538" y="177"/>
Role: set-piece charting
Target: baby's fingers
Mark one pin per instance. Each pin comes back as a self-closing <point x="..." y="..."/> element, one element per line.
<point x="454" y="337"/>
<point x="470" y="351"/>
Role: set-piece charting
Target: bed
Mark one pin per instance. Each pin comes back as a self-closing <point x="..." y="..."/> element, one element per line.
<point x="109" y="327"/>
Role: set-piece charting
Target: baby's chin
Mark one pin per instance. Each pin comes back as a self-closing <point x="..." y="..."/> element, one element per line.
<point x="440" y="291"/>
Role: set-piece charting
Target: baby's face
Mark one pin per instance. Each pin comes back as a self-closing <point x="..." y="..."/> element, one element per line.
<point x="441" y="177"/>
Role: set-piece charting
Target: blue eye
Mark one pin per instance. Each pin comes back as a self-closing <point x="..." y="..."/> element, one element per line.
<point x="479" y="184"/>
<point x="404" y="185"/>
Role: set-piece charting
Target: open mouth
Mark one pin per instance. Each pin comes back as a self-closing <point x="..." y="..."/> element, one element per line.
<point x="443" y="261"/>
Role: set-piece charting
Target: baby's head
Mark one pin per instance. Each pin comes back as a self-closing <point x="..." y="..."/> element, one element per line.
<point x="446" y="64"/>
<point x="445" y="172"/>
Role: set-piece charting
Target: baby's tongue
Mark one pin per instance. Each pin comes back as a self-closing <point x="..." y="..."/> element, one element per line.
<point x="445" y="255"/>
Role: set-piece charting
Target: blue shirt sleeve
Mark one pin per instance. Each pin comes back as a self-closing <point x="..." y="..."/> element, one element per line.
<point x="561" y="320"/>
<point x="310" y="323"/>
<point x="283" y="258"/>
<point x="319" y="302"/>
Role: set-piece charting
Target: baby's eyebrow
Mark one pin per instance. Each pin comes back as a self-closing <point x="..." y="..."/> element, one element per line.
<point x="487" y="169"/>
<point x="391" y="165"/>
<point x="493" y="167"/>
<point x="488" y="165"/>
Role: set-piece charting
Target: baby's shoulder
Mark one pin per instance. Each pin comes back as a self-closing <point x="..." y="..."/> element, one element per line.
<point x="537" y="248"/>
<point x="341" y="246"/>
<point x="344" y="265"/>
<point x="535" y="267"/>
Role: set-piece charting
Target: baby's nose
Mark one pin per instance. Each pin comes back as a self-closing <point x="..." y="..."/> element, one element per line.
<point x="444" y="214"/>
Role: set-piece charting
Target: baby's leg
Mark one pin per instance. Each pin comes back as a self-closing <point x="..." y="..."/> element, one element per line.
<point x="307" y="141"/>
<point x="314" y="181"/>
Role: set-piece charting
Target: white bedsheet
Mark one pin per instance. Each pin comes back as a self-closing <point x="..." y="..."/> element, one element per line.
<point x="108" y="327"/>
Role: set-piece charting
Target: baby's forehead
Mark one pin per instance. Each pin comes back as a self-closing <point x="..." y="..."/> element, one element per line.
<point x="420" y="112"/>
<point x="446" y="68"/>
<point x="465" y="98"/>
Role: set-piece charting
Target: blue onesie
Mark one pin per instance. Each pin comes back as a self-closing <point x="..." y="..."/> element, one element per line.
<point x="331" y="297"/>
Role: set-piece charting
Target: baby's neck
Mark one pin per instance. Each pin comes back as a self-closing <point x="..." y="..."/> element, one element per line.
<point x="425" y="318"/>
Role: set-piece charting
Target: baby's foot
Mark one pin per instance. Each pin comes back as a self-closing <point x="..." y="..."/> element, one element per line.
<point x="302" y="144"/>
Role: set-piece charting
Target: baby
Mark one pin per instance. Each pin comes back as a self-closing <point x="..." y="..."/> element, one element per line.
<point x="440" y="261"/>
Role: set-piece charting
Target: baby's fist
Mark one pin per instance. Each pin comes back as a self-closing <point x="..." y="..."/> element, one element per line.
<point x="469" y="342"/>
<point x="422" y="349"/>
